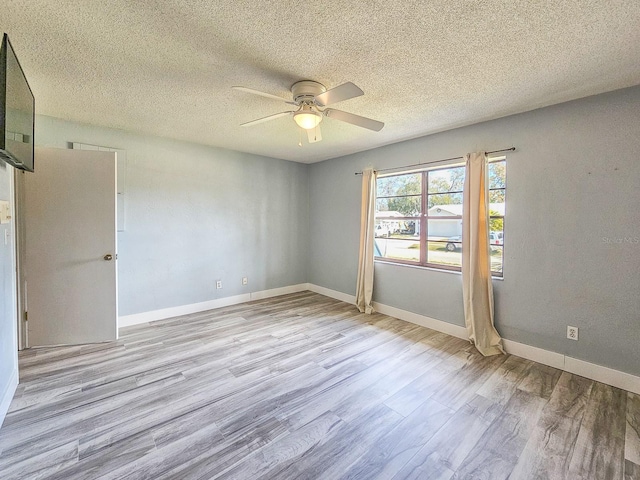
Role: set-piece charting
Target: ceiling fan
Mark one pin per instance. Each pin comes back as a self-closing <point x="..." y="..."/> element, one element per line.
<point x="311" y="98"/>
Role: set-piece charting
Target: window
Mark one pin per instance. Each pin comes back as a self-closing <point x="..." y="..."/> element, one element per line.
<point x="419" y="217"/>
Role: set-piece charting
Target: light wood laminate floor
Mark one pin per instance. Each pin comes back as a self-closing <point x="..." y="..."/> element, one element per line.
<point x="304" y="387"/>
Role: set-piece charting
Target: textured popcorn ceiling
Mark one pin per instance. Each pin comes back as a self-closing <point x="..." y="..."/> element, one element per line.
<point x="167" y="67"/>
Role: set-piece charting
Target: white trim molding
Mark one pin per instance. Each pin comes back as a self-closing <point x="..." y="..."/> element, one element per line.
<point x="424" y="321"/>
<point x="164" y="313"/>
<point x="12" y="381"/>
<point x="8" y="394"/>
<point x="540" y="355"/>
<point x="332" y="293"/>
<point x="276" y="292"/>
<point x="607" y="375"/>
<point x="592" y="371"/>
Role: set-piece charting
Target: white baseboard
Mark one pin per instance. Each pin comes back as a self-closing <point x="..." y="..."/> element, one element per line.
<point x="8" y="394"/>
<point x="432" y="323"/>
<point x="606" y="375"/>
<point x="276" y="292"/>
<point x="145" y="317"/>
<point x="593" y="371"/>
<point x="332" y="293"/>
<point x="540" y="355"/>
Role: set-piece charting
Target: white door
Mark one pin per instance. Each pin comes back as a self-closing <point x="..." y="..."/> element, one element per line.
<point x="70" y="247"/>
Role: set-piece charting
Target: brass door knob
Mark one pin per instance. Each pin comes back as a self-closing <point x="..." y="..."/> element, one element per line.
<point x="108" y="257"/>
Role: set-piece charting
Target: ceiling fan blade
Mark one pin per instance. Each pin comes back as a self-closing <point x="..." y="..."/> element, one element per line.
<point x="363" y="122"/>
<point x="265" y="119"/>
<point x="314" y="135"/>
<point x="263" y="94"/>
<point x="338" y="94"/>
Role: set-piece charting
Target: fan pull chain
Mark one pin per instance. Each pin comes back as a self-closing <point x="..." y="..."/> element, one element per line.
<point x="299" y="137"/>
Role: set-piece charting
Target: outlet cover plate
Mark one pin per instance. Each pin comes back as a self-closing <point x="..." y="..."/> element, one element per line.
<point x="572" y="332"/>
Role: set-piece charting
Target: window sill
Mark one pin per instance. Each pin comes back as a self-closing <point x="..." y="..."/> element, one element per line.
<point x="422" y="267"/>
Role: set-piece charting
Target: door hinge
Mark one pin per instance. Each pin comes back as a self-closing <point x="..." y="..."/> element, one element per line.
<point x="26" y="316"/>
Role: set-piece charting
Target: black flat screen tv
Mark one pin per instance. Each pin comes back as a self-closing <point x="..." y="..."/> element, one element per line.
<point x="17" y="111"/>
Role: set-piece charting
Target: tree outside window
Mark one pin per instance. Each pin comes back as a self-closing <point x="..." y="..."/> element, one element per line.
<point x="419" y="217"/>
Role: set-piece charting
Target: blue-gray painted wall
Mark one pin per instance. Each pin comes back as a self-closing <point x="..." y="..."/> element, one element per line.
<point x="197" y="214"/>
<point x="572" y="228"/>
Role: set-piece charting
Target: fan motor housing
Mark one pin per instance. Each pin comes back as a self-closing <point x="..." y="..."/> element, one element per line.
<point x="306" y="91"/>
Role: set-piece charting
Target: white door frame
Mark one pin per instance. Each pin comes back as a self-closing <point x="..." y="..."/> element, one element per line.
<point x="17" y="182"/>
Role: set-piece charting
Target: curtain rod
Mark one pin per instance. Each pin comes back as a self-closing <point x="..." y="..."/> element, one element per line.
<point x="439" y="161"/>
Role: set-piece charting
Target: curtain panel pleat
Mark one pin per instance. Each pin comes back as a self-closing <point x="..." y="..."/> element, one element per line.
<point x="476" y="258"/>
<point x="364" y="286"/>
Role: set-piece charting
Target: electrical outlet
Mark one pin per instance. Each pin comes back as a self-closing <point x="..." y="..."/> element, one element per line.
<point x="245" y="280"/>
<point x="572" y="332"/>
<point x="219" y="284"/>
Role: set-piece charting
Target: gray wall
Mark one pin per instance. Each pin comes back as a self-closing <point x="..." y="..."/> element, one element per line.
<point x="8" y="346"/>
<point x="195" y="214"/>
<point x="572" y="228"/>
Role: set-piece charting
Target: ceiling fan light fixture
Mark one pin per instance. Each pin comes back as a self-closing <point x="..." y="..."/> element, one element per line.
<point x="307" y="117"/>
<point x="312" y="98"/>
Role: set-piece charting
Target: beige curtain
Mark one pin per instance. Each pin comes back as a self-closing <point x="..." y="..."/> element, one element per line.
<point x="364" y="287"/>
<point x="476" y="261"/>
